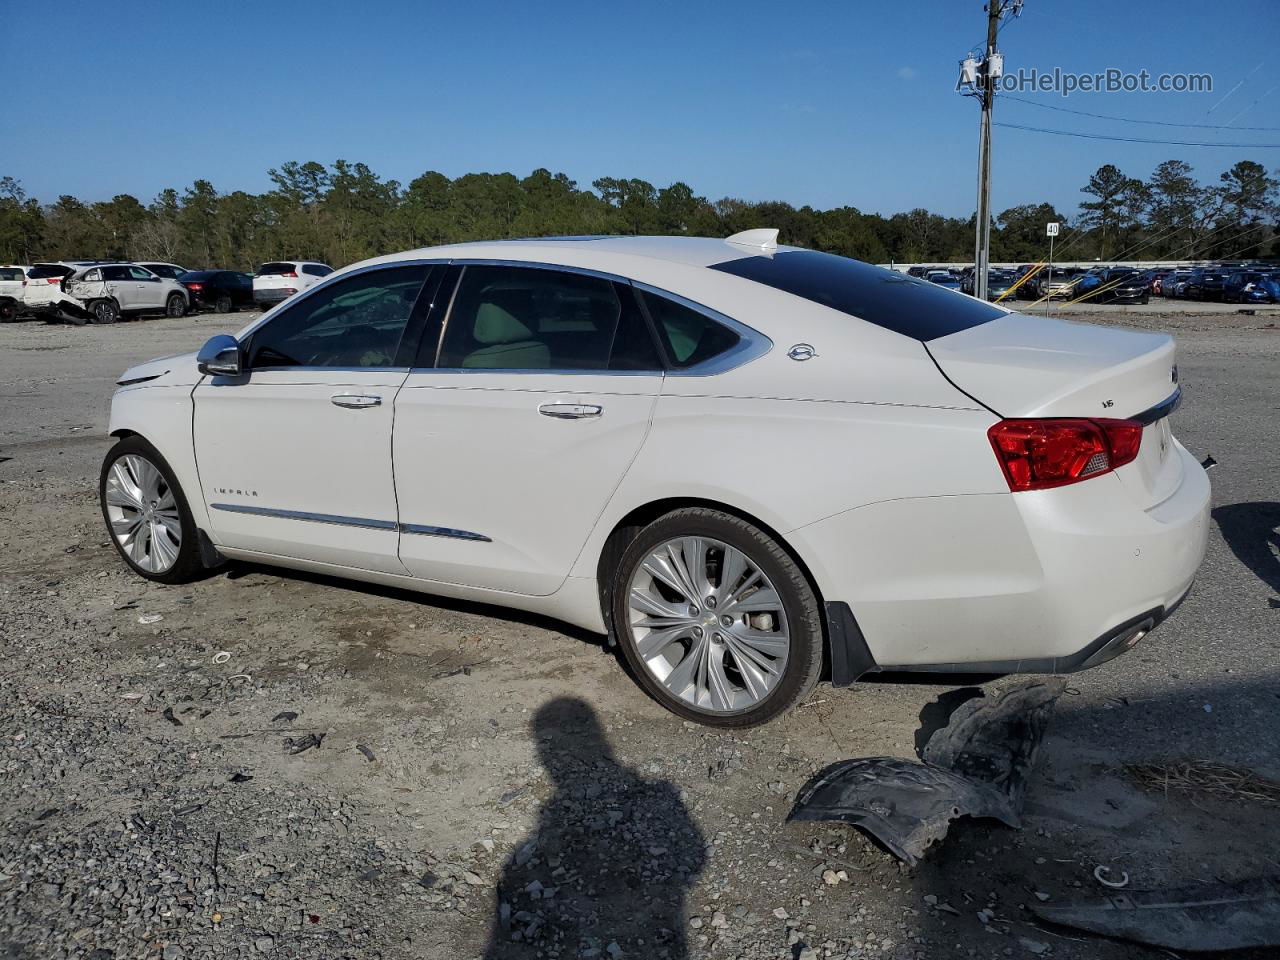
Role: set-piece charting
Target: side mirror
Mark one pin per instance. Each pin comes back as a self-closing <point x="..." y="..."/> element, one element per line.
<point x="220" y="357"/>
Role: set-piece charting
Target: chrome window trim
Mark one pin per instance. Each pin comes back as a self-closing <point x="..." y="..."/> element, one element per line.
<point x="453" y="533"/>
<point x="751" y="343"/>
<point x="336" y="519"/>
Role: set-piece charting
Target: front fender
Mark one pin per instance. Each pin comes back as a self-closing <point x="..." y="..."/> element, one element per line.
<point x="162" y="415"/>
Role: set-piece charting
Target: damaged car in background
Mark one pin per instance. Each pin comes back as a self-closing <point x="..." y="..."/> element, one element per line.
<point x="105" y="292"/>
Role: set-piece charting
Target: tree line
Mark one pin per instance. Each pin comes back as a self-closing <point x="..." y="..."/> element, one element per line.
<point x="345" y="212"/>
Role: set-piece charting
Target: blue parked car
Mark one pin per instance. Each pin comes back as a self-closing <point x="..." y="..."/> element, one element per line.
<point x="1252" y="286"/>
<point x="943" y="278"/>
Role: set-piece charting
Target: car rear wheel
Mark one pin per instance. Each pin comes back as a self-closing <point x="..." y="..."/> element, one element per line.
<point x="147" y="514"/>
<point x="105" y="311"/>
<point x="718" y="622"/>
<point x="223" y="304"/>
<point x="175" y="306"/>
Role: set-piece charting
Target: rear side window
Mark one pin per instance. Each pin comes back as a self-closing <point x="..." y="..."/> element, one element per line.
<point x="516" y="318"/>
<point x="688" y="336"/>
<point x="895" y="301"/>
<point x="276" y="269"/>
<point x="316" y="269"/>
<point x="114" y="273"/>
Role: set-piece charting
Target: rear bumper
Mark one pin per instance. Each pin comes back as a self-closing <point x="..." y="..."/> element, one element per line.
<point x="272" y="295"/>
<point x="1048" y="581"/>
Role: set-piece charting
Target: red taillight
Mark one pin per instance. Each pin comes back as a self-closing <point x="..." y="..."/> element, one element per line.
<point x="291" y="273"/>
<point x="1037" y="454"/>
<point x="55" y="280"/>
<point x="195" y="286"/>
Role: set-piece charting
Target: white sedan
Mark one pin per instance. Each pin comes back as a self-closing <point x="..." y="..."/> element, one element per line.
<point x="752" y="465"/>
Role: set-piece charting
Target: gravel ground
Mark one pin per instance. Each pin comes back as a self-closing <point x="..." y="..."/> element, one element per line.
<point x="270" y="764"/>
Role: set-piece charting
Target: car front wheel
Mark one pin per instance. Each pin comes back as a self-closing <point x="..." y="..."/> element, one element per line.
<point x="715" y="618"/>
<point x="147" y="514"/>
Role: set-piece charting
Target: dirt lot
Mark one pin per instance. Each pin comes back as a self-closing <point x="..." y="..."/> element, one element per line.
<point x="489" y="784"/>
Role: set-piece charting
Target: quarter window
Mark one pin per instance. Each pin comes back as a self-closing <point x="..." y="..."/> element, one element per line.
<point x="517" y="318"/>
<point x="690" y="337"/>
<point x="355" y="322"/>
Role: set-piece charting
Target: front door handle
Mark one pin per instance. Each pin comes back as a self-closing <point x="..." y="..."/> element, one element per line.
<point x="571" y="411"/>
<point x="355" y="402"/>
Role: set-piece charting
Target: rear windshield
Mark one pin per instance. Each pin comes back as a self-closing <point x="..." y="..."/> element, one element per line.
<point x="11" y="273"/>
<point x="274" y="269"/>
<point x="198" y="275"/>
<point x="49" y="270"/>
<point x="906" y="305"/>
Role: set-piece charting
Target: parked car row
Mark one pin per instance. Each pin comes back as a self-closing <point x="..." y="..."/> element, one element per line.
<point x="103" y="291"/>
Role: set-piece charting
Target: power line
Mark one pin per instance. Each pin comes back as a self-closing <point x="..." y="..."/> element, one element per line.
<point x="1174" y="143"/>
<point x="1154" y="123"/>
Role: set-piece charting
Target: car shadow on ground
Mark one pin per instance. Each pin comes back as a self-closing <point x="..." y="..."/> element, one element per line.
<point x="607" y="868"/>
<point x="237" y="570"/>
<point x="1252" y="531"/>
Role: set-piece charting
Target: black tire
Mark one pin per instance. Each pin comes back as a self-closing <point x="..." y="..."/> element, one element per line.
<point x="799" y="601"/>
<point x="1146" y="298"/>
<point x="223" y="304"/>
<point x="188" y="565"/>
<point x="104" y="311"/>
<point x="175" y="305"/>
<point x="8" y="311"/>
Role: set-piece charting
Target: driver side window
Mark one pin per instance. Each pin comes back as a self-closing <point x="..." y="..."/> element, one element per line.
<point x="355" y="322"/>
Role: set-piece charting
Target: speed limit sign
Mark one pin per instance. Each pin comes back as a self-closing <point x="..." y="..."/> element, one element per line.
<point x="1051" y="229"/>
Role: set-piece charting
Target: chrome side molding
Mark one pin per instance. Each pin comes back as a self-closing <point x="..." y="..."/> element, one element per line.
<point x="367" y="523"/>
<point x="423" y="529"/>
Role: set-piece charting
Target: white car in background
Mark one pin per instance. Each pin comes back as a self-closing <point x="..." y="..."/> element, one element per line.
<point x="13" y="282"/>
<point x="108" y="291"/>
<point x="280" y="279"/>
<point x="741" y="460"/>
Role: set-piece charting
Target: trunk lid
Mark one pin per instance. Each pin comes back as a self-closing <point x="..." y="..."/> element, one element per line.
<point x="1024" y="366"/>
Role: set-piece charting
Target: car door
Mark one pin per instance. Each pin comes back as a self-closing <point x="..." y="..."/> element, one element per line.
<point x="511" y="439"/>
<point x="294" y="454"/>
<point x="148" y="290"/>
<point x="120" y="286"/>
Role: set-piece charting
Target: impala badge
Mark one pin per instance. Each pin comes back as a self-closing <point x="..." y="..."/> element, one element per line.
<point x="802" y="352"/>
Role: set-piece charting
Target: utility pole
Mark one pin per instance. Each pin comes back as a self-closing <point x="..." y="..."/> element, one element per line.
<point x="981" y="78"/>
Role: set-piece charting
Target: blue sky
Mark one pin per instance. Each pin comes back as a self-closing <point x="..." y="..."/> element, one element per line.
<point x="830" y="104"/>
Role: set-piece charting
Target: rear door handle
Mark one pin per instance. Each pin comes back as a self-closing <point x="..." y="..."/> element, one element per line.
<point x="355" y="402"/>
<point x="571" y="411"/>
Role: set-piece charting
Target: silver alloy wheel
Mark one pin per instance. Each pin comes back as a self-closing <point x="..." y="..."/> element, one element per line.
<point x="708" y="624"/>
<point x="143" y="513"/>
<point x="174" y="307"/>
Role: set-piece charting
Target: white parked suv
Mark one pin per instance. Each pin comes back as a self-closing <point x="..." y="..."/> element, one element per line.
<point x="13" y="281"/>
<point x="741" y="460"/>
<point x="281" y="279"/>
<point x="110" y="290"/>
